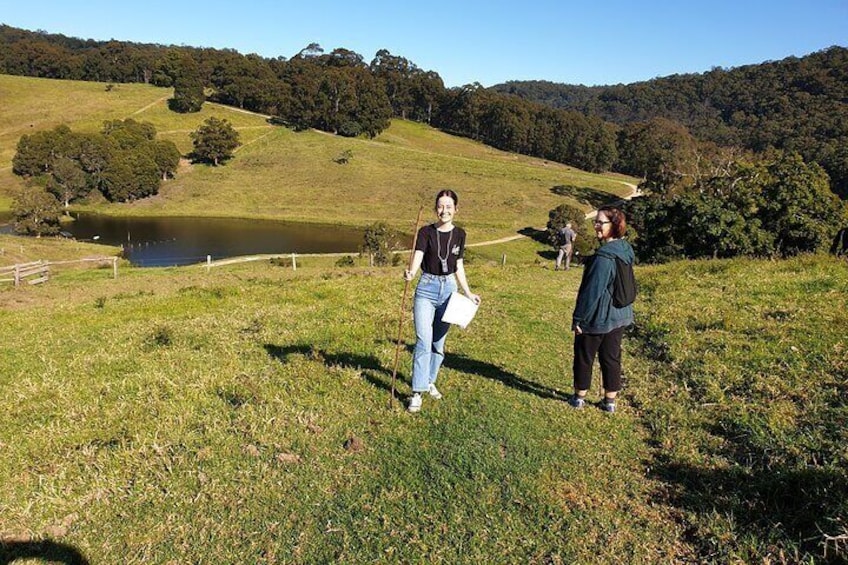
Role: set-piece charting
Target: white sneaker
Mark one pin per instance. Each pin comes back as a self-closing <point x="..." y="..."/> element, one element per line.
<point x="434" y="392"/>
<point x="415" y="402"/>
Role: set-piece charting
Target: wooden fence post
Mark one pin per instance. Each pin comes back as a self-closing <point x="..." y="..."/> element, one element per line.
<point x="503" y="260"/>
<point x="114" y="267"/>
<point x="208" y="263"/>
<point x="294" y="262"/>
<point x="17" y="275"/>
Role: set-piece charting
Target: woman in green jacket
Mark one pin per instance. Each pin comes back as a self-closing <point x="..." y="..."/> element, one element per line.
<point x="598" y="325"/>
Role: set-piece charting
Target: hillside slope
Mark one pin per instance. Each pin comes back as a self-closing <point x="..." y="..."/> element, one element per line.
<point x="281" y="174"/>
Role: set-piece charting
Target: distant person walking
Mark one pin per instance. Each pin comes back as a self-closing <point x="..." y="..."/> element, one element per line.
<point x="439" y="252"/>
<point x="840" y="243"/>
<point x="597" y="324"/>
<point x="566" y="237"/>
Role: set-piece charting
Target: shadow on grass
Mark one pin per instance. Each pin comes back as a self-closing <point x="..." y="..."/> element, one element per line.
<point x="773" y="498"/>
<point x="47" y="551"/>
<point x="777" y="506"/>
<point x="585" y="195"/>
<point x="372" y="369"/>
<point x="490" y="371"/>
<point x="539" y="236"/>
<point x="380" y="376"/>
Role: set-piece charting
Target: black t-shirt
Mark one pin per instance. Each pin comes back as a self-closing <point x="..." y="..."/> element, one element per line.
<point x="438" y="246"/>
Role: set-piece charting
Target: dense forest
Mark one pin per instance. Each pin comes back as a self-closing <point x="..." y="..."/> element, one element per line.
<point x="796" y="104"/>
<point x="759" y="153"/>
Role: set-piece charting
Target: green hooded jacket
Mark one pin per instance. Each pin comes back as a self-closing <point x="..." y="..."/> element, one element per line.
<point x="594" y="311"/>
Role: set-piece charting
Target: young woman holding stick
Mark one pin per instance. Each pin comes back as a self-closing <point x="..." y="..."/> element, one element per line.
<point x="439" y="249"/>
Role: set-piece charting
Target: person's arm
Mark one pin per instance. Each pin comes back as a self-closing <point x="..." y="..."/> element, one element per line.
<point x="463" y="281"/>
<point x="598" y="276"/>
<point x="417" y="258"/>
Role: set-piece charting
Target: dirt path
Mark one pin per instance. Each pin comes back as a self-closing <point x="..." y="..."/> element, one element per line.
<point x="150" y="105"/>
<point x="232" y="260"/>
<point x="634" y="191"/>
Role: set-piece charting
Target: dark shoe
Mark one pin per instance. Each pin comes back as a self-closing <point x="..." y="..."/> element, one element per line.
<point x="607" y="405"/>
<point x="576" y="401"/>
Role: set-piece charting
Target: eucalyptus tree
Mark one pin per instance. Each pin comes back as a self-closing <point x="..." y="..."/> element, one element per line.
<point x="215" y="141"/>
<point x="188" y="87"/>
<point x="67" y="180"/>
<point x="36" y="212"/>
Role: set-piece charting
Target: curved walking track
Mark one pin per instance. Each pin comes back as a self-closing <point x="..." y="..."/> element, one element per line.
<point x="244" y="259"/>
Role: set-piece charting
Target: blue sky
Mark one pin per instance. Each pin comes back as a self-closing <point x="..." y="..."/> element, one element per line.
<point x="574" y="42"/>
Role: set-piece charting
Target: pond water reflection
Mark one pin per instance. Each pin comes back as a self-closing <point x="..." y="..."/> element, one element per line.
<point x="157" y="242"/>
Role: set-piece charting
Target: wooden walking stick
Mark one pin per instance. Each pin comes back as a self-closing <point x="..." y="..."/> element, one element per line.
<point x="403" y="304"/>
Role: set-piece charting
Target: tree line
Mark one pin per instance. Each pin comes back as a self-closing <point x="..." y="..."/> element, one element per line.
<point x="797" y="104"/>
<point x="338" y="92"/>
<point x="725" y="145"/>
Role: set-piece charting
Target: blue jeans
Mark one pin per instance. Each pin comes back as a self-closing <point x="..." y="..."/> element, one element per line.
<point x="431" y="299"/>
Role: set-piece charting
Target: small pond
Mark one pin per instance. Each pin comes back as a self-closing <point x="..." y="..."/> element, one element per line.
<point x="158" y="242"/>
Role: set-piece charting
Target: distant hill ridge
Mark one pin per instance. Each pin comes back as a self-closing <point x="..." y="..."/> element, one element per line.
<point x="797" y="104"/>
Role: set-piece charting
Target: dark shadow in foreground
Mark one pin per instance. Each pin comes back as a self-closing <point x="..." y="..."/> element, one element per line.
<point x="45" y="550"/>
<point x="490" y="371"/>
<point x="775" y="505"/>
<point x="372" y="370"/>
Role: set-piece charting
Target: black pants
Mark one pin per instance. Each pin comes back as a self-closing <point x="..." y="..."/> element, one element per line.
<point x="608" y="349"/>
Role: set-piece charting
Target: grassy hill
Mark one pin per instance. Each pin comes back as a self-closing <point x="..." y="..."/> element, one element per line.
<point x="278" y="173"/>
<point x="242" y="417"/>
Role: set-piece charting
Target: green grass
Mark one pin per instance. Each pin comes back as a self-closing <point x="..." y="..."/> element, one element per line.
<point x="280" y="174"/>
<point x="241" y="417"/>
<point x="746" y="401"/>
<point x="15" y="249"/>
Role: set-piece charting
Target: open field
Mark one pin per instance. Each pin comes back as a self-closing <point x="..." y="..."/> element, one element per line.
<point x="15" y="249"/>
<point x="280" y="174"/>
<point x="241" y="416"/>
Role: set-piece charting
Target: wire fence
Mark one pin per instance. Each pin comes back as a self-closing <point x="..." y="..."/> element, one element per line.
<point x="37" y="272"/>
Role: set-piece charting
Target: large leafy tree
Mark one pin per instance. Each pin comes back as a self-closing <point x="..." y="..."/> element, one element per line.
<point x="131" y="175"/>
<point x="37" y="152"/>
<point x="188" y="88"/>
<point x="167" y="158"/>
<point x="129" y="133"/>
<point x="95" y="152"/>
<point x="215" y="141"/>
<point x="36" y="212"/>
<point x="371" y="110"/>
<point x="798" y="206"/>
<point x="67" y="181"/>
<point x="780" y="206"/>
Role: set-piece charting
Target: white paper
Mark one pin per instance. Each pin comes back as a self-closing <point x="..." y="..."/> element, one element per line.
<point x="460" y="310"/>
